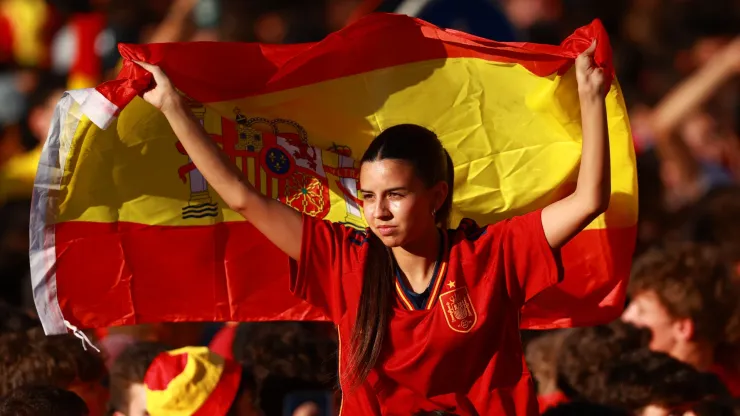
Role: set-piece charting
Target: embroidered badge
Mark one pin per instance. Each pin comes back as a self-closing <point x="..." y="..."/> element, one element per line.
<point x="458" y="309"/>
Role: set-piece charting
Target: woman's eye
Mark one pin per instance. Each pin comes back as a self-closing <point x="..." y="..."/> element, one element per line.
<point x="394" y="195"/>
<point x="367" y="197"/>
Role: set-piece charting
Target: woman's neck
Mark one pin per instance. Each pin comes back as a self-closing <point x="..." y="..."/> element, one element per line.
<point x="416" y="260"/>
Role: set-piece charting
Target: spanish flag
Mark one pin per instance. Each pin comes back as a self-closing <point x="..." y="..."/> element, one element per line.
<point x="125" y="230"/>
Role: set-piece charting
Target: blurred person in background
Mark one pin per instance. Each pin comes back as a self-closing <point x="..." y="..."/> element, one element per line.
<point x="613" y="366"/>
<point x="16" y="184"/>
<point x="288" y="358"/>
<point x="42" y="401"/>
<point x="585" y="356"/>
<point x="699" y="150"/>
<point x="542" y="358"/>
<point x="302" y="350"/>
<point x="127" y="390"/>
<point x="684" y="294"/>
<point x="650" y="383"/>
<point x="14" y="319"/>
<point x="18" y="174"/>
<point x="31" y="358"/>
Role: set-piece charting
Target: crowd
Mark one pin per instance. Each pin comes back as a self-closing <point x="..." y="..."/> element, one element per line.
<point x="675" y="350"/>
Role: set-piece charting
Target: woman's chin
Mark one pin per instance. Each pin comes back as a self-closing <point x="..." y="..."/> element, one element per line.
<point x="390" y="240"/>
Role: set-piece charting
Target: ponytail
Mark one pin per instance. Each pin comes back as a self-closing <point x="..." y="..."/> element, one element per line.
<point x="373" y="313"/>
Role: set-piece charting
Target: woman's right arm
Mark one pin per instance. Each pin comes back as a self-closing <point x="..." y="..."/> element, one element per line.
<point x="281" y="224"/>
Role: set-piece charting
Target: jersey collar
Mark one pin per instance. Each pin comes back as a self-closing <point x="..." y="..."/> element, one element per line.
<point x="438" y="277"/>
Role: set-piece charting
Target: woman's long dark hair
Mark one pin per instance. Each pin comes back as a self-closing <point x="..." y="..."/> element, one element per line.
<point x="422" y="149"/>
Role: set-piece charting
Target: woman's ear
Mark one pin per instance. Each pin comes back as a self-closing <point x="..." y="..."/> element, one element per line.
<point x="441" y="189"/>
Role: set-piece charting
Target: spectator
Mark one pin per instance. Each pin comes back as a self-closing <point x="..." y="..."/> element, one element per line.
<point x="684" y="295"/>
<point x="653" y="383"/>
<point x="127" y="391"/>
<point x="293" y="350"/>
<point x="13" y="319"/>
<point x="194" y="379"/>
<point x="42" y="401"/>
<point x="17" y="176"/>
<point x="587" y="353"/>
<point x="542" y="357"/>
<point x="31" y="358"/>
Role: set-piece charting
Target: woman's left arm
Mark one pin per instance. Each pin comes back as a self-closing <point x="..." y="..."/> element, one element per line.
<point x="564" y="219"/>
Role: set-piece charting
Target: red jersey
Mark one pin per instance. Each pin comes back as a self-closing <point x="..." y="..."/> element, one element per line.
<point x="462" y="353"/>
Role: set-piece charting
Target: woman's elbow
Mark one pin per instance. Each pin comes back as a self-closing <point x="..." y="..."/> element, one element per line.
<point x="239" y="202"/>
<point x="596" y="205"/>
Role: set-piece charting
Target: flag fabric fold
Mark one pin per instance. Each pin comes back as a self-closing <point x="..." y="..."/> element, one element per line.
<point x="125" y="230"/>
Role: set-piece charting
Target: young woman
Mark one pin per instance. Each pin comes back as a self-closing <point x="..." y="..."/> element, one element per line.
<point x="427" y="317"/>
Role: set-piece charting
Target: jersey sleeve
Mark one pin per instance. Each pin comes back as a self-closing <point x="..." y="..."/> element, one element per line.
<point x="517" y="249"/>
<point x="327" y="269"/>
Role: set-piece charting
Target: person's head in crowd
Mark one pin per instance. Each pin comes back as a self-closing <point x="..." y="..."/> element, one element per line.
<point x="194" y="380"/>
<point x="293" y="350"/>
<point x="32" y="358"/>
<point x="579" y="408"/>
<point x="652" y="383"/>
<point x="586" y="354"/>
<point x="684" y="295"/>
<point x="41" y="104"/>
<point x="127" y="391"/>
<point x="542" y="356"/>
<point x="42" y="401"/>
<point x="14" y="319"/>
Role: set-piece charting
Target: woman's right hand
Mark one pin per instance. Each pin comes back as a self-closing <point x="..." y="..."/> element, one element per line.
<point x="162" y="95"/>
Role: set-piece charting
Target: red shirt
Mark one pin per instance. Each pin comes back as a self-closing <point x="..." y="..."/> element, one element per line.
<point x="463" y="354"/>
<point x="551" y="400"/>
<point x="729" y="376"/>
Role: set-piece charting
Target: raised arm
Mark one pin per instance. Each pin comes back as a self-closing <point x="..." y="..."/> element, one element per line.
<point x="688" y="96"/>
<point x="695" y="90"/>
<point x="565" y="218"/>
<point x="279" y="223"/>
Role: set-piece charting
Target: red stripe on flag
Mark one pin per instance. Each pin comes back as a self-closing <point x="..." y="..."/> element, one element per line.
<point x="123" y="273"/>
<point x="239" y="70"/>
<point x="584" y="298"/>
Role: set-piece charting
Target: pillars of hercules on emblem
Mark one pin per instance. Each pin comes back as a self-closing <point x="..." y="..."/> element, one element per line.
<point x="199" y="204"/>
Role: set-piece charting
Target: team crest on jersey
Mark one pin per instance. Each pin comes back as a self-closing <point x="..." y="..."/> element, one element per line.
<point x="458" y="309"/>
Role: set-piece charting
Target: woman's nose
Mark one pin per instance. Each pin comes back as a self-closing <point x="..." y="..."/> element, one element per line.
<point x="381" y="209"/>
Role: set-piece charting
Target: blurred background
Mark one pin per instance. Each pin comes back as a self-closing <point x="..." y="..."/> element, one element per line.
<point x="677" y="61"/>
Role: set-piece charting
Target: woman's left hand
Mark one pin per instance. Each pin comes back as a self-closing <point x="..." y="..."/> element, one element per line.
<point x="590" y="77"/>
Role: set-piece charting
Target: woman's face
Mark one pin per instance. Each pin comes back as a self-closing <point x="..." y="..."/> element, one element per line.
<point x="398" y="206"/>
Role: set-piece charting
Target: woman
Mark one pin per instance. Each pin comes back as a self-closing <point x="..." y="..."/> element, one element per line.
<point x="427" y="317"/>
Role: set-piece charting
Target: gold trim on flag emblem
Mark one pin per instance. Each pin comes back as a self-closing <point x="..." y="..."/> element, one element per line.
<point x="458" y="309"/>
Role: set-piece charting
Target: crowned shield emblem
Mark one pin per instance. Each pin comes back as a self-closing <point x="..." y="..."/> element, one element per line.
<point x="458" y="309"/>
